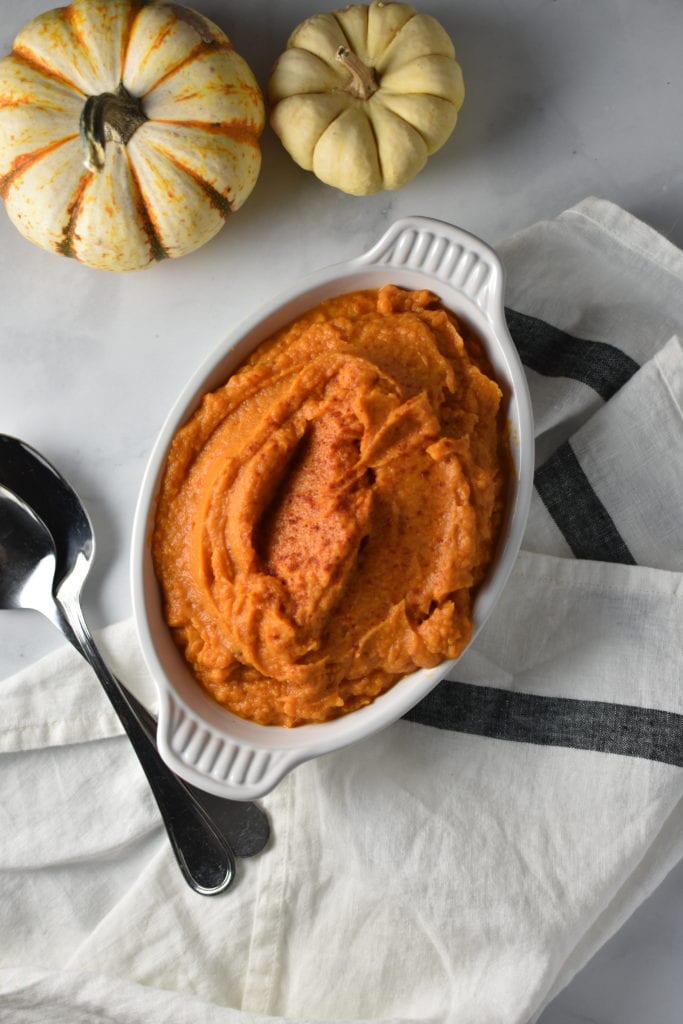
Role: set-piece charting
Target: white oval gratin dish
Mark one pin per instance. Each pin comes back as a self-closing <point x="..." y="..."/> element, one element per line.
<point x="198" y="739"/>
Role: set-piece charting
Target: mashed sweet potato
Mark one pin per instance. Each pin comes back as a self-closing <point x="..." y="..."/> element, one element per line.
<point x="325" y="515"/>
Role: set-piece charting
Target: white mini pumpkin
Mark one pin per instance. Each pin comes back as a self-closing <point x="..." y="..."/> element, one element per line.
<point x="128" y="132"/>
<point x="363" y="96"/>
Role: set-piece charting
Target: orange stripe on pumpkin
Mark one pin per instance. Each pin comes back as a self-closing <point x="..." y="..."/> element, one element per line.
<point x="135" y="8"/>
<point x="32" y="61"/>
<point x="18" y="101"/>
<point x="159" y="39"/>
<point x="146" y="216"/>
<point x="66" y="246"/>
<point x="68" y="15"/>
<point x="26" y="160"/>
<point x="220" y="202"/>
<point x="199" y="50"/>
<point x="238" y="131"/>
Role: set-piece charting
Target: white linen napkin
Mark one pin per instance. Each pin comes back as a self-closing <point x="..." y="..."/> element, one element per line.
<point x="466" y="862"/>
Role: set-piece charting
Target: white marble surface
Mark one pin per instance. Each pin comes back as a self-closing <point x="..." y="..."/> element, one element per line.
<point x="565" y="98"/>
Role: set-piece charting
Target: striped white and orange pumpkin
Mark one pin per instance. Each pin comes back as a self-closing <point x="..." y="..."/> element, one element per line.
<point x="128" y="131"/>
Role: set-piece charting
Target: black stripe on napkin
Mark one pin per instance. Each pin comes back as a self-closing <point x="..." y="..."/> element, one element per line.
<point x="583" y="519"/>
<point x="553" y="721"/>
<point x="554" y="353"/>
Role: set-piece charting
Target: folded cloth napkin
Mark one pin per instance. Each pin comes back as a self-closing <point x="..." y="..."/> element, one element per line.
<point x="466" y="862"/>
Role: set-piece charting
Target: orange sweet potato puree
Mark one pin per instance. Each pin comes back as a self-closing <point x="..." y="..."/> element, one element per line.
<point x="325" y="515"/>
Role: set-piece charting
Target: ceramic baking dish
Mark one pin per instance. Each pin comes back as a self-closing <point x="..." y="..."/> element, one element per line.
<point x="201" y="741"/>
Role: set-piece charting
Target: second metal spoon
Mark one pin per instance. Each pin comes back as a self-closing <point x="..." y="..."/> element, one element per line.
<point x="30" y="476"/>
<point x="28" y="561"/>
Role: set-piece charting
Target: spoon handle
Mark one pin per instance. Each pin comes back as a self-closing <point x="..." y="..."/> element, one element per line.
<point x="204" y="856"/>
<point x="243" y="823"/>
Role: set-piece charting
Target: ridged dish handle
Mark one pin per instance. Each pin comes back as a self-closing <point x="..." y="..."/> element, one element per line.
<point x="204" y="757"/>
<point x="446" y="252"/>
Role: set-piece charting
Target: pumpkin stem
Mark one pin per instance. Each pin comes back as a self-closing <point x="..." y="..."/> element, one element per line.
<point x="363" y="82"/>
<point x="109" y="117"/>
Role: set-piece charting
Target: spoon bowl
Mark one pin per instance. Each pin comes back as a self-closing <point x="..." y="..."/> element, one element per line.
<point x="31" y="477"/>
<point x="27" y="557"/>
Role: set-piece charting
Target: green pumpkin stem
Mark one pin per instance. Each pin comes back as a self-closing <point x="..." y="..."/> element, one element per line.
<point x="109" y="117"/>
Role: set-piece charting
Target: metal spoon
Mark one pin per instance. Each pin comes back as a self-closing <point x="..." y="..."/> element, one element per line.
<point x="31" y="477"/>
<point x="28" y="562"/>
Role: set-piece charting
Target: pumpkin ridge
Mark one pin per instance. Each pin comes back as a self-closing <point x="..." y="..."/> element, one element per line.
<point x="238" y="131"/>
<point x="202" y="25"/>
<point x="26" y="160"/>
<point x="376" y="141"/>
<point x="341" y="113"/>
<point x="66" y="246"/>
<point x="405" y="120"/>
<point x="135" y="8"/>
<point x="198" y="51"/>
<point x="396" y="36"/>
<point x="32" y="61"/>
<point x="145" y="214"/>
<point x="216" y="198"/>
<point x="411" y="60"/>
<point x="431" y="95"/>
<point x="163" y="34"/>
<point x="76" y="31"/>
<point x="329" y="124"/>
